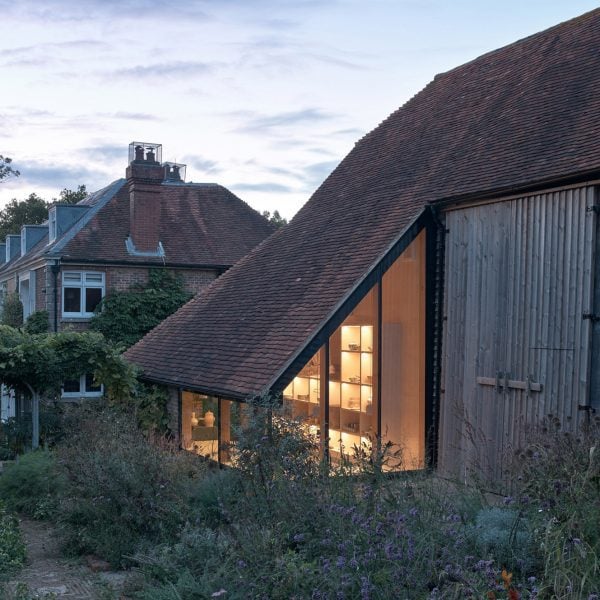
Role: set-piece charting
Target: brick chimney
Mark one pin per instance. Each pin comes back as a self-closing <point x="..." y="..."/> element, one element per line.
<point x="145" y="174"/>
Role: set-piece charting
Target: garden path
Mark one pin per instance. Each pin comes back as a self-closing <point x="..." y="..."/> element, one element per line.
<point x="49" y="575"/>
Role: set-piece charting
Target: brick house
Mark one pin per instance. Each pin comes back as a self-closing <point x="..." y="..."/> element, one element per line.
<point x="440" y="290"/>
<point x="111" y="239"/>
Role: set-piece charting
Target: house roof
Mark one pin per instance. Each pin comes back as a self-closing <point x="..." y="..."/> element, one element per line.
<point x="201" y="225"/>
<point x="522" y="116"/>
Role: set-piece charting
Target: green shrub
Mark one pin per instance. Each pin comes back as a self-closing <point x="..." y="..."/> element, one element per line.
<point x="12" y="548"/>
<point x="32" y="484"/>
<point x="125" y="317"/>
<point x="123" y="491"/>
<point x="37" y="322"/>
<point x="12" y="310"/>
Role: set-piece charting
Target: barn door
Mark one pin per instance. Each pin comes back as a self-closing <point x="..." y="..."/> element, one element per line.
<point x="517" y="348"/>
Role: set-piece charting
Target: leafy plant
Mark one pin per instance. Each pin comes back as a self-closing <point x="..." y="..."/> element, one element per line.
<point x="12" y="548"/>
<point x="123" y="490"/>
<point x="37" y="322"/>
<point x="125" y="317"/>
<point x="12" y="310"/>
<point x="31" y="484"/>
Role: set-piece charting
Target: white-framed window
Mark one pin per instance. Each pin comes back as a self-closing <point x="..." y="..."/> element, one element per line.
<point x="82" y="291"/>
<point x="84" y="387"/>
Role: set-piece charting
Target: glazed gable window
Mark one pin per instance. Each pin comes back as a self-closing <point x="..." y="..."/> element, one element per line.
<point x="82" y="291"/>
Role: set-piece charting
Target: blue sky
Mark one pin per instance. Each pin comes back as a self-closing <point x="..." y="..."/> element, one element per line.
<point x="262" y="96"/>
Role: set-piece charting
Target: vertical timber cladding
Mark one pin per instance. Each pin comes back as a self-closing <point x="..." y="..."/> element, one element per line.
<point x="516" y="344"/>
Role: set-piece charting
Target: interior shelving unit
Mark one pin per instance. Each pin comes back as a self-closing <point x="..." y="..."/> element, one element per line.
<point x="303" y="394"/>
<point x="351" y="415"/>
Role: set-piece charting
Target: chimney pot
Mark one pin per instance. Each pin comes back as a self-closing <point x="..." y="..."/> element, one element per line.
<point x="150" y="156"/>
<point x="139" y="153"/>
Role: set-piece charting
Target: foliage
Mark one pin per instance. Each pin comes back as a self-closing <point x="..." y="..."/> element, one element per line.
<point x="557" y="478"/>
<point x="149" y="405"/>
<point x="125" y="317"/>
<point x="6" y="169"/>
<point x="31" y="211"/>
<point x="37" y="322"/>
<point x="12" y="548"/>
<point x="15" y="433"/>
<point x="122" y="489"/>
<point x="12" y="310"/>
<point x="68" y="196"/>
<point x="32" y="484"/>
<point x="45" y="361"/>
<point x="275" y="219"/>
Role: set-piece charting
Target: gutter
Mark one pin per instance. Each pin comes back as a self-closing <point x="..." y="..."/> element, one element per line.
<point x="124" y="263"/>
<point x="227" y="395"/>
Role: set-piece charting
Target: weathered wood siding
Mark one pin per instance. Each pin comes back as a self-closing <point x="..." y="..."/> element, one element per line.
<point x="518" y="281"/>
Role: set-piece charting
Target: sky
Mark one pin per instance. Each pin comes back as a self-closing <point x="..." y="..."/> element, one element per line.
<point x="265" y="97"/>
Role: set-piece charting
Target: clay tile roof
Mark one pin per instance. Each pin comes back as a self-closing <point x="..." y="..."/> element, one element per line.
<point x="201" y="225"/>
<point x="525" y="115"/>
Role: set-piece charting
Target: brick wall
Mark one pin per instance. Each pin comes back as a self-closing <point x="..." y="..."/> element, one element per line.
<point x="119" y="279"/>
<point x="40" y="289"/>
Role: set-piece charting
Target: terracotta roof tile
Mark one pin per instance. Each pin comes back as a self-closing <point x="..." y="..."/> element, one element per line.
<point x="523" y="115"/>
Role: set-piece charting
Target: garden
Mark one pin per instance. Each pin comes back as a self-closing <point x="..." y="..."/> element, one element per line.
<point x="283" y="524"/>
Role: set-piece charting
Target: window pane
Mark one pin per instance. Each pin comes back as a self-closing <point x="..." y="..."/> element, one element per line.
<point x="72" y="386"/>
<point x="199" y="427"/>
<point x="352" y="415"/>
<point x="72" y="300"/>
<point x="403" y="356"/>
<point x="93" y="277"/>
<point x="71" y="276"/>
<point x="89" y="384"/>
<point x="92" y="298"/>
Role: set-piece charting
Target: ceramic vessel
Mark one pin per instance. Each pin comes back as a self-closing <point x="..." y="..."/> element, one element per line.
<point x="209" y="418"/>
<point x="194" y="420"/>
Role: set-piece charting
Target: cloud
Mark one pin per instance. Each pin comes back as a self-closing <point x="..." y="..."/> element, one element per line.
<point x="84" y="10"/>
<point x="267" y="186"/>
<point x="165" y="69"/>
<point x="259" y="123"/>
<point x="106" y="152"/>
<point x="131" y="116"/>
<point x="55" y="175"/>
<point x="48" y="47"/>
<point x="316" y="173"/>
<point x="202" y="164"/>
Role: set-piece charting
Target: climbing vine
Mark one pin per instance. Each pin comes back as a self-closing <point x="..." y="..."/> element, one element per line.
<point x="125" y="317"/>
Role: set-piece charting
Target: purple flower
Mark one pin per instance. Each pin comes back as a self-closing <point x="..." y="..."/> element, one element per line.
<point x="241" y="564"/>
<point x="413" y="512"/>
<point x="341" y="562"/>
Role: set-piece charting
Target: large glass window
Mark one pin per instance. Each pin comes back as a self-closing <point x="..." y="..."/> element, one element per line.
<point x="199" y="424"/>
<point x="82" y="291"/>
<point x="371" y="388"/>
<point x="352" y="414"/>
<point x="403" y="356"/>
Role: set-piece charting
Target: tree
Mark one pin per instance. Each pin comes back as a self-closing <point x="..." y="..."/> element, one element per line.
<point x="68" y="196"/>
<point x="125" y="317"/>
<point x="275" y="219"/>
<point x="5" y="168"/>
<point x="31" y="211"/>
<point x="39" y="364"/>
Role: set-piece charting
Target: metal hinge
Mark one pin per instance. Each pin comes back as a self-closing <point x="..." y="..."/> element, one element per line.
<point x="587" y="408"/>
<point x="593" y="208"/>
<point x="592" y="317"/>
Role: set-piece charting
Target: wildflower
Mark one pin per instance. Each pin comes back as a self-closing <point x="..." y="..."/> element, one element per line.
<point x="241" y="564"/>
<point x="506" y="578"/>
<point x="299" y="537"/>
<point x="341" y="562"/>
